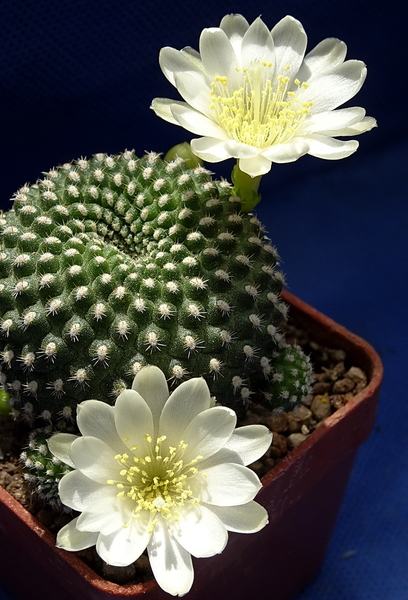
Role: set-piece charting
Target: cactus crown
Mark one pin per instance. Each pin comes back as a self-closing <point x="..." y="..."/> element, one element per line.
<point x="115" y="262"/>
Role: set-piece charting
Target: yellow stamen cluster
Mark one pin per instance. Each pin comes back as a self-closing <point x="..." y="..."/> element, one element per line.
<point x="157" y="483"/>
<point x="261" y="112"/>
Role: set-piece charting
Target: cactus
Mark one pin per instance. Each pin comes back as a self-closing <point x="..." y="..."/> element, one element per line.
<point x="43" y="470"/>
<point x="115" y="262"/>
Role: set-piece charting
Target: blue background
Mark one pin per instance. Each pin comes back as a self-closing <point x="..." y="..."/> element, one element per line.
<point x="77" y="77"/>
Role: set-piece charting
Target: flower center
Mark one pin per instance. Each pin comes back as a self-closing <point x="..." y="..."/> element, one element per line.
<point x="262" y="112"/>
<point x="158" y="482"/>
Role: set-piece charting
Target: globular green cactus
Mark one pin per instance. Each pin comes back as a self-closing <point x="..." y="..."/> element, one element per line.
<point x="115" y="262"/>
<point x="43" y="470"/>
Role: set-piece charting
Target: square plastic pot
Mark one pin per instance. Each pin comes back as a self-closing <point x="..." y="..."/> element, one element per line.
<point x="302" y="494"/>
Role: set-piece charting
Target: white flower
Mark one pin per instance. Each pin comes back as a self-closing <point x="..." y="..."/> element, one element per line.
<point x="162" y="473"/>
<point x="254" y="95"/>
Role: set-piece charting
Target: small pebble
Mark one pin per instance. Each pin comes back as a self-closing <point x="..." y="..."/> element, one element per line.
<point x="342" y="386"/>
<point x="321" y="387"/>
<point x="299" y="417"/>
<point x="279" y="446"/>
<point x="295" y="439"/>
<point x="358" y="376"/>
<point x="321" y="407"/>
<point x="277" y="422"/>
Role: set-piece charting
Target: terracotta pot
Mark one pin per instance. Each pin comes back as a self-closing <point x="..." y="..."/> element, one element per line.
<point x="302" y="494"/>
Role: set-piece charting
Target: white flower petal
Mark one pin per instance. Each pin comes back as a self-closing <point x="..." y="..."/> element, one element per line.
<point x="259" y="165"/>
<point x="163" y="108"/>
<point x="213" y="150"/>
<point x="330" y="148"/>
<point x="194" y="57"/>
<point x="199" y="531"/>
<point x="217" y="53"/>
<point x="210" y="149"/>
<point x="250" y="442"/>
<point x="124" y="546"/>
<point x="224" y="455"/>
<point x="208" y="432"/>
<point x="257" y="44"/>
<point x="173" y="61"/>
<point x="171" y="563"/>
<point x="328" y="54"/>
<point x="196" y="122"/>
<point x="227" y="485"/>
<point x="134" y="420"/>
<point x="240" y="150"/>
<point x="290" y="41"/>
<point x="106" y="515"/>
<point x="94" y="459"/>
<point x="362" y="126"/>
<point x="329" y="90"/>
<point x="151" y="384"/>
<point x="69" y="538"/>
<point x="332" y="120"/>
<point x="60" y="444"/>
<point x="79" y="492"/>
<point x="193" y="92"/>
<point x="284" y="153"/>
<point x="186" y="402"/>
<point x="96" y="419"/>
<point x="235" y="27"/>
<point x="246" y="518"/>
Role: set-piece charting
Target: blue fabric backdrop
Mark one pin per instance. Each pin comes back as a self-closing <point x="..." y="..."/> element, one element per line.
<point x="77" y="77"/>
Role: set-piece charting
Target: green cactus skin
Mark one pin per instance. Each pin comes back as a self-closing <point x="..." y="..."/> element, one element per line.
<point x="116" y="262"/>
<point x="291" y="373"/>
<point x="43" y="470"/>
